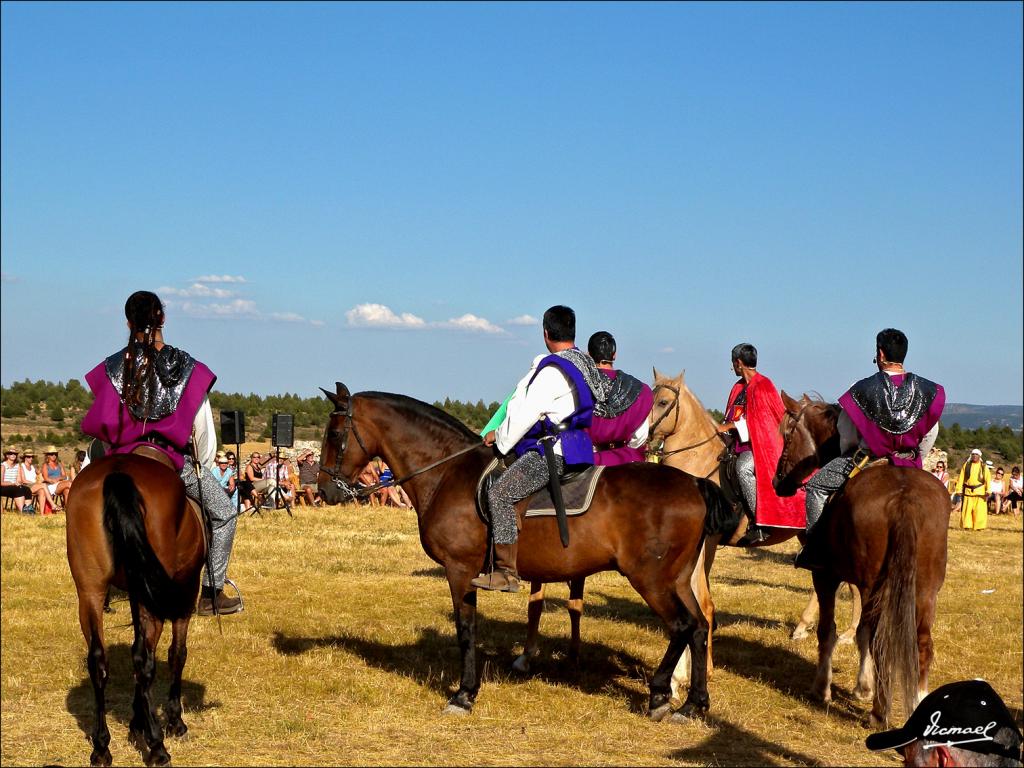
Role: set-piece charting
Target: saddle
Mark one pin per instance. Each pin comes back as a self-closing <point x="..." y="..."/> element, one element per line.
<point x="577" y="492"/>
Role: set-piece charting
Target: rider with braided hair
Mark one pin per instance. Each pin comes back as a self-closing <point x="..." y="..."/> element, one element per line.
<point x="151" y="393"/>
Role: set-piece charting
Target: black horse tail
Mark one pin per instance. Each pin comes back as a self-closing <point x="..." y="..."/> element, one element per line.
<point x="892" y="611"/>
<point x="722" y="517"/>
<point x="148" y="581"/>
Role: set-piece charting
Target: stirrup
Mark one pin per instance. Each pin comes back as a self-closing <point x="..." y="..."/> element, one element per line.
<point x="238" y="593"/>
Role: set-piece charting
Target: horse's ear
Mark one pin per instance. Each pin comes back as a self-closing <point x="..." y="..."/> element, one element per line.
<point x="682" y="377"/>
<point x="791" y="405"/>
<point x="656" y="374"/>
<point x="343" y="393"/>
<point x="804" y="399"/>
<point x="330" y="396"/>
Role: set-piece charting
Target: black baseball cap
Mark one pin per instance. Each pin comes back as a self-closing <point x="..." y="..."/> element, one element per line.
<point x="967" y="715"/>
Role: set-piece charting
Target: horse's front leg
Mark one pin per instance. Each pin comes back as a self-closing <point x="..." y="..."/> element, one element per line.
<point x="700" y="582"/>
<point x="533" y="614"/>
<point x="575" y="608"/>
<point x="806" y="619"/>
<point x="464" y="603"/>
<point x="144" y="723"/>
<point x="825" y="586"/>
<point x="176" y="656"/>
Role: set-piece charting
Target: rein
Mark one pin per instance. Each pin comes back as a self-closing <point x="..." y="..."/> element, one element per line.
<point x="361" y="493"/>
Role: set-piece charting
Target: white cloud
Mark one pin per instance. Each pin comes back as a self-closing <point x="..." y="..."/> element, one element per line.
<point x="380" y="316"/>
<point x="220" y="279"/>
<point x="287" y="317"/>
<point x="473" y="323"/>
<point x="6" y="277"/>
<point x="667" y="350"/>
<point x="235" y="308"/>
<point x="523" y="320"/>
<point x="197" y="290"/>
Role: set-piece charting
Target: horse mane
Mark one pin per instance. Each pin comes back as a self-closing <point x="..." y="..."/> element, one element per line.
<point x="425" y="411"/>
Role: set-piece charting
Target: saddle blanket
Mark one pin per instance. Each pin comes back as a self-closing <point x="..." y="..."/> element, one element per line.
<point x="577" y="492"/>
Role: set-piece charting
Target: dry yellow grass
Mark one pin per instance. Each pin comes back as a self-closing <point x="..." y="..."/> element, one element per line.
<point x="346" y="653"/>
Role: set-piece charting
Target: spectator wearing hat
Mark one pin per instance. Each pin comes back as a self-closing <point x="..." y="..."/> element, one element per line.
<point x="31" y="478"/>
<point x="225" y="476"/>
<point x="10" y="487"/>
<point x="959" y="724"/>
<point x="1014" y="493"/>
<point x="56" y="478"/>
<point x="309" y="473"/>
<point x="973" y="485"/>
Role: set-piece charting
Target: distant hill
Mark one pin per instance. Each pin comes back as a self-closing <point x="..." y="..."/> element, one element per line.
<point x="976" y="416"/>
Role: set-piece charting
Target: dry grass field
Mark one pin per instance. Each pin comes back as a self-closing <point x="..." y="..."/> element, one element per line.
<point x="345" y="655"/>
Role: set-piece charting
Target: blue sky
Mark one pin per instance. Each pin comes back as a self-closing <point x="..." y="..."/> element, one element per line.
<point x="391" y="195"/>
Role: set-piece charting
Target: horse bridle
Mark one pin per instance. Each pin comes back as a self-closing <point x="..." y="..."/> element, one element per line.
<point x="340" y="438"/>
<point x="795" y="417"/>
<point x="675" y="408"/>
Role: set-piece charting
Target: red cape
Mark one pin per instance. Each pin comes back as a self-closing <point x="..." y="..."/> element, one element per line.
<point x="764" y="413"/>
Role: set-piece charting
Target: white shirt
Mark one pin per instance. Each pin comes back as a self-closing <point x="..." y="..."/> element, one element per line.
<point x="551" y="394"/>
<point x="205" y="434"/>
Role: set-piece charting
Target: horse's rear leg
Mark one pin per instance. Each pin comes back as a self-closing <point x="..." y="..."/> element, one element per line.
<point x="825" y="587"/>
<point x="90" y="615"/>
<point x="533" y="614"/>
<point x="177" y="654"/>
<point x="865" y="689"/>
<point x="851" y="631"/>
<point x="144" y="723"/>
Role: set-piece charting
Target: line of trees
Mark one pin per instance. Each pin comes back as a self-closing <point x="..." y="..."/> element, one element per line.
<point x="64" y="404"/>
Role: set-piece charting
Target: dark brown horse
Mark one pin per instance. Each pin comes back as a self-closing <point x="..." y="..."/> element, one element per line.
<point x="129" y="525"/>
<point x="885" y="534"/>
<point x="646" y="522"/>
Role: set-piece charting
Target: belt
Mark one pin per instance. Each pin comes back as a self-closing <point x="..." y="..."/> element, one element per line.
<point x="162" y="442"/>
<point x="611" y="446"/>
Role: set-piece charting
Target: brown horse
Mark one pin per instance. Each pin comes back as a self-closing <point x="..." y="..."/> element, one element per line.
<point x="129" y="525"/>
<point x="646" y="522"/>
<point x="886" y="534"/>
<point x="688" y="433"/>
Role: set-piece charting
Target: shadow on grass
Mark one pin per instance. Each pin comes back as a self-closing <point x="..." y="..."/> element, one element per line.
<point x="787" y="672"/>
<point x="732" y="745"/>
<point x="601" y="670"/>
<point x="120" y="691"/>
<point x="769" y="554"/>
<point x="430" y="573"/>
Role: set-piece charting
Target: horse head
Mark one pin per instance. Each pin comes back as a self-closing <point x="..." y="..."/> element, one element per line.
<point x="340" y="461"/>
<point x="664" y="418"/>
<point x="806" y="426"/>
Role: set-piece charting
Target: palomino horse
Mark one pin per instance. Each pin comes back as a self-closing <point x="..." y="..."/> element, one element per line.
<point x="129" y="524"/>
<point x="885" y="533"/>
<point x="646" y="521"/>
<point x="680" y="419"/>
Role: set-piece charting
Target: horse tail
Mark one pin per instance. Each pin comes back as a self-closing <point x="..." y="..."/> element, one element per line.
<point x="892" y="610"/>
<point x="722" y="517"/>
<point x="148" y="581"/>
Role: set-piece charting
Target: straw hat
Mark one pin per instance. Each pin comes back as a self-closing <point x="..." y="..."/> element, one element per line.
<point x="221" y="456"/>
<point x="9" y="451"/>
<point x="51" y="449"/>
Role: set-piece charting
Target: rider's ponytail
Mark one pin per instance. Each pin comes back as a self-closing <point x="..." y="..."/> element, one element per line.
<point x="145" y="314"/>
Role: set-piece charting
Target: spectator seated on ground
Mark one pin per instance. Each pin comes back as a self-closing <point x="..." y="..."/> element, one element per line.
<point x="963" y="723"/>
<point x="394" y="496"/>
<point x="369" y="477"/>
<point x="11" y="487"/>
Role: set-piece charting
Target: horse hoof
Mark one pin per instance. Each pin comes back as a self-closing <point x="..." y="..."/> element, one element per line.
<point x="824" y="696"/>
<point x="800" y="633"/>
<point x="455" y="709"/>
<point x="101" y="757"/>
<point x="846" y="638"/>
<point x="176" y="728"/>
<point x="688" y="713"/>
<point x="863" y="694"/>
<point x="660" y="713"/>
<point x="158" y="756"/>
<point x="521" y="664"/>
